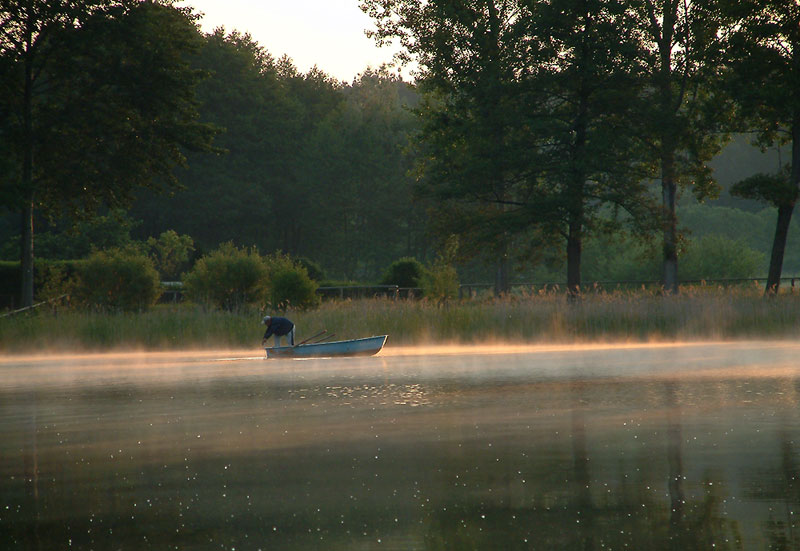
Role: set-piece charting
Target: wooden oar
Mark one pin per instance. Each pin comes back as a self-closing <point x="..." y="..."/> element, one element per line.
<point x="314" y="337"/>
<point x="323" y="339"/>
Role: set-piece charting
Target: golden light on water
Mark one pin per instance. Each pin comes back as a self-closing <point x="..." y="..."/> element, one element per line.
<point x="490" y="349"/>
<point x="663" y="361"/>
<point x="228" y="354"/>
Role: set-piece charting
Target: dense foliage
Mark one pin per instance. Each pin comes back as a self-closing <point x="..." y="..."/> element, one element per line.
<point x="232" y="278"/>
<point x="764" y="63"/>
<point x="404" y="272"/>
<point x="229" y="278"/>
<point x="117" y="280"/>
<point x="171" y="253"/>
<point x="553" y="116"/>
<point x="312" y="167"/>
<point x="289" y="285"/>
<point x="83" y="126"/>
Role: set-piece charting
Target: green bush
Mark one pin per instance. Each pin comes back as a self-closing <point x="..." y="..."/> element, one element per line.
<point x="440" y="281"/>
<point x="405" y="272"/>
<point x="117" y="280"/>
<point x="57" y="280"/>
<point x="619" y="258"/>
<point x="289" y="284"/>
<point x="716" y="256"/>
<point x="170" y="253"/>
<point x="227" y="278"/>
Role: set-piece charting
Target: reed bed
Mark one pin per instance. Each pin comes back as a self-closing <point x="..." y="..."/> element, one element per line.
<point x="695" y="314"/>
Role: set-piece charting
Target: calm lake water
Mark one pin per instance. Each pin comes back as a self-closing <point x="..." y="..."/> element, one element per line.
<point x="693" y="446"/>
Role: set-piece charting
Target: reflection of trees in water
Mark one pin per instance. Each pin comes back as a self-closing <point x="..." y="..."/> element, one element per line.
<point x="30" y="459"/>
<point x="697" y="523"/>
<point x="780" y="485"/>
<point x="784" y="534"/>
<point x="576" y="506"/>
<point x="582" y="477"/>
<point x="550" y="463"/>
<point x="675" y="461"/>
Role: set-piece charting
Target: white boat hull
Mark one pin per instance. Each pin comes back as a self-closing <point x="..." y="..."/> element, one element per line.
<point x="354" y="347"/>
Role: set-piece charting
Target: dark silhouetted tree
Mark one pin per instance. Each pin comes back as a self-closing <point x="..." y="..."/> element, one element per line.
<point x="97" y="100"/>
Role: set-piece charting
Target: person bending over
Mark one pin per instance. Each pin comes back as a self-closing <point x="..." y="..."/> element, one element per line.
<point x="279" y="327"/>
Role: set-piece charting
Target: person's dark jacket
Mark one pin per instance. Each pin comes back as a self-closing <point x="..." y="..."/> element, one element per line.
<point x="279" y="327"/>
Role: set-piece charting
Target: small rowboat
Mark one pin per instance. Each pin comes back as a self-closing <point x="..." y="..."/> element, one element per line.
<point x="354" y="347"/>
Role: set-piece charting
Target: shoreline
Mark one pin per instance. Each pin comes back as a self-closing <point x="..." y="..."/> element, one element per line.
<point x="600" y="320"/>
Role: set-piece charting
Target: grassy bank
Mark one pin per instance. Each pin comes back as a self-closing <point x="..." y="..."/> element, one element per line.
<point x="694" y="315"/>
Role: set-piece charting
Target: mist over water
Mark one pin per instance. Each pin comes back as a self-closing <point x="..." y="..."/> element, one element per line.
<point x="595" y="447"/>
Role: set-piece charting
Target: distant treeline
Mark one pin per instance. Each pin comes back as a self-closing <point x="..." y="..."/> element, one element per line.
<point x="308" y="165"/>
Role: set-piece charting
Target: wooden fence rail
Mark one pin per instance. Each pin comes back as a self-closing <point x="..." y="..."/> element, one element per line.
<point x="32" y="306"/>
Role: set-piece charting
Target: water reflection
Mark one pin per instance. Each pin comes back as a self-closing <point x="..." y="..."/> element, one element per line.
<point x="603" y="449"/>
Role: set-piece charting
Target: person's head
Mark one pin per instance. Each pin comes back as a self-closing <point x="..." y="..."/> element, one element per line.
<point x="266" y="319"/>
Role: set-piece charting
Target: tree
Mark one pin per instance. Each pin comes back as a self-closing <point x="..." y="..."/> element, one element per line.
<point x="96" y="100"/>
<point x="353" y="166"/>
<point x="288" y="284"/>
<point x="781" y="192"/>
<point x="470" y="57"/>
<point x="228" y="278"/>
<point x="259" y="190"/>
<point x="592" y="165"/>
<point x="764" y="76"/>
<point x="71" y="239"/>
<point x="682" y="108"/>
<point x="404" y="272"/>
<point x="245" y="97"/>
<point x="440" y="280"/>
<point x="170" y="252"/>
<point x="526" y="120"/>
<point x="312" y="166"/>
<point x="117" y="279"/>
<point x="316" y="96"/>
<point x="717" y="256"/>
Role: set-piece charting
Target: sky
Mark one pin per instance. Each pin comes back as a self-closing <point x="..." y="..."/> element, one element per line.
<point x="325" y="33"/>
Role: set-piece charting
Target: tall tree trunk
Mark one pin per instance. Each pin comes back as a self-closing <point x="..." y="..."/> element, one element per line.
<point x="26" y="251"/>
<point x="669" y="104"/>
<point x="576" y="191"/>
<point x="576" y="199"/>
<point x="778" y="249"/>
<point x="501" y="285"/>
<point x="574" y="245"/>
<point x="670" y="223"/>
<point x="26" y="245"/>
<point x="784" y="218"/>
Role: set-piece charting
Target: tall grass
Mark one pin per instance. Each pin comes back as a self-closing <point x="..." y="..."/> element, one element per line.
<point x="695" y="314"/>
<point x="163" y="327"/>
<point x="629" y="316"/>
